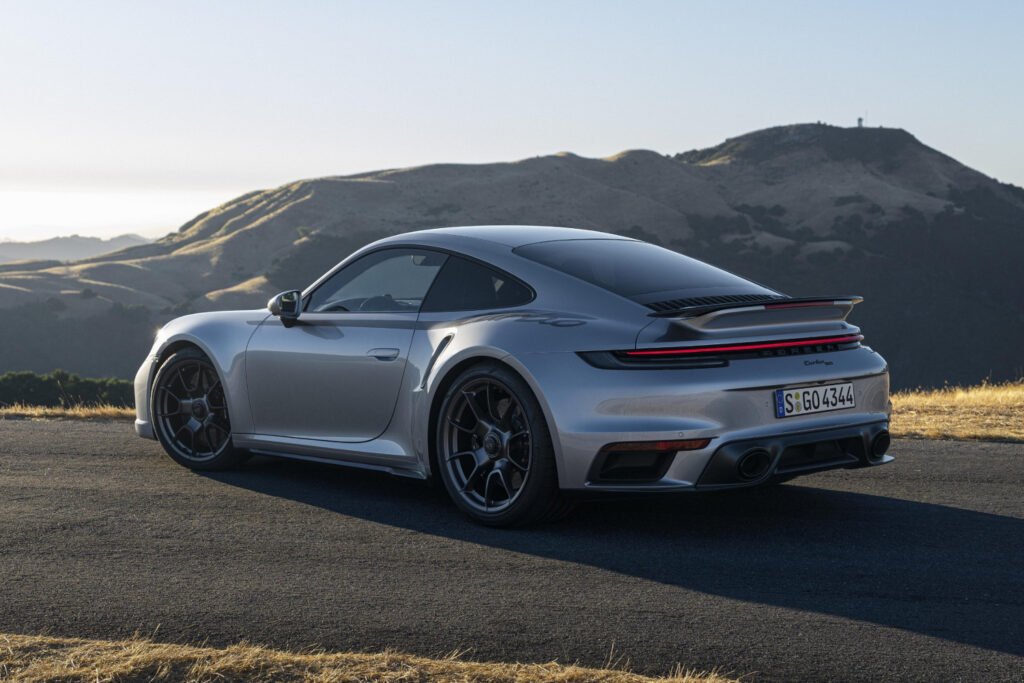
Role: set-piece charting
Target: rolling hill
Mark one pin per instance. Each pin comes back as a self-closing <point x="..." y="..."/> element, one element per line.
<point x="69" y="248"/>
<point x="811" y="209"/>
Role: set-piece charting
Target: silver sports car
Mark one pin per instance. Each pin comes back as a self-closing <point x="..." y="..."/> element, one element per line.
<point x="520" y="365"/>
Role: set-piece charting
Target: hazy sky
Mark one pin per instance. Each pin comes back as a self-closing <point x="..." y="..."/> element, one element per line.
<point x="135" y="116"/>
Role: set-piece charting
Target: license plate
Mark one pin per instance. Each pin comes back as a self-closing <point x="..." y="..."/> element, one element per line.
<point x="807" y="400"/>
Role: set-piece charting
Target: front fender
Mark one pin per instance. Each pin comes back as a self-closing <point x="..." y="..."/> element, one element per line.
<point x="222" y="337"/>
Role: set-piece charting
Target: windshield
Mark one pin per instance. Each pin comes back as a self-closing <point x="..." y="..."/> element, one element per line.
<point x="638" y="270"/>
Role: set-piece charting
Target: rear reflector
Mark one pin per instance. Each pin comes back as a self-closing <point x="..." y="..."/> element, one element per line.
<point x="660" y="446"/>
<point x="733" y="348"/>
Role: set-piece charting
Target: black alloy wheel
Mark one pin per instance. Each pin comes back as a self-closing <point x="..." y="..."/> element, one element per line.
<point x="494" y="449"/>
<point x="189" y="410"/>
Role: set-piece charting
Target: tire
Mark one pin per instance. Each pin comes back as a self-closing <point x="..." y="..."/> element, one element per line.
<point x="188" y="406"/>
<point x="494" y="450"/>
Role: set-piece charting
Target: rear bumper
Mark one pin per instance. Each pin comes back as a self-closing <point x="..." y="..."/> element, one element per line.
<point x="589" y="408"/>
<point x="791" y="455"/>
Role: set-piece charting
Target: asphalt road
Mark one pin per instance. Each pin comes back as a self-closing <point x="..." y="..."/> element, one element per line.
<point x="913" y="571"/>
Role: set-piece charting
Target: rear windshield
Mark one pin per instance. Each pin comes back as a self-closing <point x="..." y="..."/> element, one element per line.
<point x="638" y="270"/>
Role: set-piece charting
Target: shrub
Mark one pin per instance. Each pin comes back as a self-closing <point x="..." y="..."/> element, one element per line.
<point x="63" y="389"/>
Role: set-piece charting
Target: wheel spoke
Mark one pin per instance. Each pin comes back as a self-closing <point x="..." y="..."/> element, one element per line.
<point x="214" y="446"/>
<point x="471" y="403"/>
<point x="461" y="454"/>
<point x="487" y="488"/>
<point x="225" y="432"/>
<point x="504" y="483"/>
<point x="176" y="399"/>
<point x="170" y="393"/>
<point x="184" y="383"/>
<point x="214" y="385"/>
<point x="522" y="468"/>
<point x="192" y="437"/>
<point x="490" y="403"/>
<point x="197" y="384"/>
<point x="510" y="410"/>
<point x="455" y="424"/>
<point x="473" y="476"/>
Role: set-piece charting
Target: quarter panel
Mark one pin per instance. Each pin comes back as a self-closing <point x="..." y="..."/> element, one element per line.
<point x="590" y="407"/>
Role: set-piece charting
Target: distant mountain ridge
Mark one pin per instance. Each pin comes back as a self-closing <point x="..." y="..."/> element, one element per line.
<point x="71" y="248"/>
<point x="810" y="209"/>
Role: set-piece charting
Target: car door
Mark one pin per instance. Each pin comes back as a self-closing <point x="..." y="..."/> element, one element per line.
<point x="335" y="374"/>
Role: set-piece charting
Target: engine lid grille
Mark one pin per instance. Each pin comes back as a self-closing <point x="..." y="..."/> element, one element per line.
<point x="692" y="302"/>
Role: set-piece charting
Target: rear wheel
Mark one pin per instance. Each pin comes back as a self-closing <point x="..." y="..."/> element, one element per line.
<point x="494" y="450"/>
<point x="190" y="413"/>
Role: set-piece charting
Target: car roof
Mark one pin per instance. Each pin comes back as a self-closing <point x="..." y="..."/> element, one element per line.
<point x="516" y="235"/>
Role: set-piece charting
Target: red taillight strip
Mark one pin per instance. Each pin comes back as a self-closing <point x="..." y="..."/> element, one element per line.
<point x="728" y="348"/>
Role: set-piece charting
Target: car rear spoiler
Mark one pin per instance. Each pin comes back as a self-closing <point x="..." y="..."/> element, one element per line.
<point x="767" y="304"/>
<point x="770" y="312"/>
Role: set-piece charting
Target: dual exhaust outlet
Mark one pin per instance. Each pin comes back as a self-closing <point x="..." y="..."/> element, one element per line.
<point x="755" y="463"/>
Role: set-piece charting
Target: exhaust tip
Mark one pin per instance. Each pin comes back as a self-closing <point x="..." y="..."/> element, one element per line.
<point x="754" y="464"/>
<point x="880" y="444"/>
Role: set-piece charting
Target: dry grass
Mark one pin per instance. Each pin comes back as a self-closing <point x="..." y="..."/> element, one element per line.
<point x="993" y="412"/>
<point x="32" y="659"/>
<point x="83" y="412"/>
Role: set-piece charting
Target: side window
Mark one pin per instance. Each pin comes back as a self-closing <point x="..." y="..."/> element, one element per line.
<point x="465" y="285"/>
<point x="386" y="281"/>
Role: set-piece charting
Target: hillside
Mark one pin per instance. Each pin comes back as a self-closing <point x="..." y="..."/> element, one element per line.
<point x="810" y="209"/>
<point x="70" y="248"/>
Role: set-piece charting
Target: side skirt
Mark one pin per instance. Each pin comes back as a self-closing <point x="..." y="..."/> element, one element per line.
<point x="379" y="455"/>
<point x="397" y="471"/>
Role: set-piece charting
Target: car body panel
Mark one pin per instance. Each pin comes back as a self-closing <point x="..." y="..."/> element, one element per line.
<point x="312" y="391"/>
<point x="223" y="337"/>
<point x="301" y="379"/>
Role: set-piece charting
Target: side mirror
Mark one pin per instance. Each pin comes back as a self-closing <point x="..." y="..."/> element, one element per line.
<point x="287" y="306"/>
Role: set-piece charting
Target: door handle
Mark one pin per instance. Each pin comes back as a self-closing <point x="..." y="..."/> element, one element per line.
<point x="383" y="354"/>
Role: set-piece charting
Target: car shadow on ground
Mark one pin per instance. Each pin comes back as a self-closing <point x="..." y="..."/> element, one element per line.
<point x="938" y="571"/>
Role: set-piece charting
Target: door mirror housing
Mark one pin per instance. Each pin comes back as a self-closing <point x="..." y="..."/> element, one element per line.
<point x="287" y="306"/>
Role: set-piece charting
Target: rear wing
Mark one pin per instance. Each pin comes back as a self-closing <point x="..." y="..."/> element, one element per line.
<point x="769" y="313"/>
<point x="767" y="304"/>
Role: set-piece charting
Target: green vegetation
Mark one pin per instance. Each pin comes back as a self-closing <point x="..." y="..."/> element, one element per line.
<point x="63" y="389"/>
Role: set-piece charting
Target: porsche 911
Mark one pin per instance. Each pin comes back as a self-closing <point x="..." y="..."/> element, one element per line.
<point x="521" y="366"/>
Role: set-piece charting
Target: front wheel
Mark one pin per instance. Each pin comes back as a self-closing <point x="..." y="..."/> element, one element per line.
<point x="494" y="450"/>
<point x="190" y="413"/>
